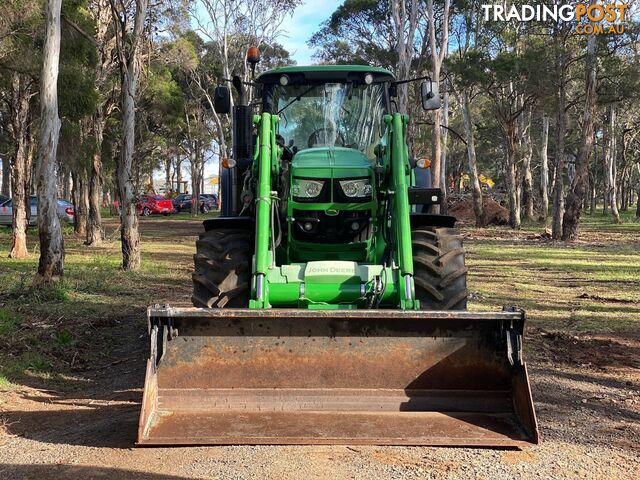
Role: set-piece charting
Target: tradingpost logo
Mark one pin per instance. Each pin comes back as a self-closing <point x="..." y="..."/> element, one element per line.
<point x="599" y="19"/>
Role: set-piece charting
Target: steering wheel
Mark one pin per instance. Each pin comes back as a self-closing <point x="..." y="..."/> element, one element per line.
<point x="314" y="137"/>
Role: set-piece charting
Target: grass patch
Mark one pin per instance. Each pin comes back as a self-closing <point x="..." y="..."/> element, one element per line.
<point x="98" y="312"/>
<point x="64" y="338"/>
<point x="25" y="289"/>
<point x="8" y="322"/>
<point x="591" y="286"/>
<point x="14" y="369"/>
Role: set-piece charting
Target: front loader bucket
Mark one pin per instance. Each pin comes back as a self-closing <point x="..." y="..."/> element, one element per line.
<point x="384" y="377"/>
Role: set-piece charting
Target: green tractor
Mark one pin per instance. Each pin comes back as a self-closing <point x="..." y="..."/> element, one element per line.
<point x="330" y="302"/>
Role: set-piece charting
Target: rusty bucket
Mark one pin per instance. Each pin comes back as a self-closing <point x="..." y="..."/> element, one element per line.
<point x="382" y="377"/>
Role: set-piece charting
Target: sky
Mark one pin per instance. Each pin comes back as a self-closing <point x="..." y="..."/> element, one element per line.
<point x="306" y="20"/>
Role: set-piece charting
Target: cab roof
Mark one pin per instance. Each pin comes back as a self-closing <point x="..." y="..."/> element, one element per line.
<point x="326" y="73"/>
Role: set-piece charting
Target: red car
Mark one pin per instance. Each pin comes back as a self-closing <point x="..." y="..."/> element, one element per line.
<point x="148" y="204"/>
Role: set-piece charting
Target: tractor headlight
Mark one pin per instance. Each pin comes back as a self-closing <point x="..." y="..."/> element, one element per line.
<point x="359" y="188"/>
<point x="303" y="188"/>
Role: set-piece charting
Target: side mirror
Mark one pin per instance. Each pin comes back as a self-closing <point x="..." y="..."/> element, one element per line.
<point x="222" y="99"/>
<point x="430" y="94"/>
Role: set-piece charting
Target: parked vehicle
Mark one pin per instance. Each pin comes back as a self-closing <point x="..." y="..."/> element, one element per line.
<point x="3" y="198"/>
<point x="182" y="203"/>
<point x="65" y="211"/>
<point x="212" y="198"/>
<point x="150" y="204"/>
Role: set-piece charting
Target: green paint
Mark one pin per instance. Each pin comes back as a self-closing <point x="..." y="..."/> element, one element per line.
<point x="262" y="255"/>
<point x="330" y="282"/>
<point x="328" y="162"/>
<point x="401" y="226"/>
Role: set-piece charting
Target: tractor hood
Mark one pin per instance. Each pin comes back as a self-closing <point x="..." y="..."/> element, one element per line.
<point x="327" y="162"/>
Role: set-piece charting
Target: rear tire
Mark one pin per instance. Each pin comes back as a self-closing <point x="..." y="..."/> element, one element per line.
<point x="222" y="273"/>
<point x="440" y="274"/>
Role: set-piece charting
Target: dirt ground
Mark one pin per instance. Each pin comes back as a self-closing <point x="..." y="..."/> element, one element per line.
<point x="586" y="388"/>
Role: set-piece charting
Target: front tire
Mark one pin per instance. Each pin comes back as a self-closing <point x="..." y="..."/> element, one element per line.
<point x="222" y="275"/>
<point x="440" y="275"/>
<point x="146" y="212"/>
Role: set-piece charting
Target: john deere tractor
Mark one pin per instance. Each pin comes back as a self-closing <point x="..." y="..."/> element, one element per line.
<point x="330" y="302"/>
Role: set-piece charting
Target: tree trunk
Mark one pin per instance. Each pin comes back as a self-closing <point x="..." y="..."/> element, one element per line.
<point x="95" y="232"/>
<point x="51" y="264"/>
<point x="558" y="187"/>
<point x="593" y="198"/>
<point x="527" y="178"/>
<point x="179" y="176"/>
<point x="167" y="183"/>
<point x="6" y="177"/>
<point x="438" y="54"/>
<point x="476" y="190"/>
<point x="443" y="153"/>
<point x="624" y="194"/>
<point x="20" y="166"/>
<point x="544" y="169"/>
<point x="129" y="234"/>
<point x="404" y="16"/>
<point x="611" y="166"/>
<point x="129" y="51"/>
<point x="104" y="68"/>
<point x="510" y="177"/>
<point x="580" y="182"/>
<point x="195" y="179"/>
<point x="65" y="184"/>
<point x="560" y="70"/>
<point x="80" y="194"/>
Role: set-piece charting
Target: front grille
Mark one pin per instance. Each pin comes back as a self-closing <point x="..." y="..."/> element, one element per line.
<point x="325" y="228"/>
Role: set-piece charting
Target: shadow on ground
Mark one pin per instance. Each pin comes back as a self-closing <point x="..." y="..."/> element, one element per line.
<point x="75" y="472"/>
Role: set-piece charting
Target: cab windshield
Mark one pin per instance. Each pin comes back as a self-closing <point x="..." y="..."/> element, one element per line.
<point x="331" y="114"/>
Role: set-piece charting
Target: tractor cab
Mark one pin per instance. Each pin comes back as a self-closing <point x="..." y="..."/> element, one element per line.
<point x="325" y="108"/>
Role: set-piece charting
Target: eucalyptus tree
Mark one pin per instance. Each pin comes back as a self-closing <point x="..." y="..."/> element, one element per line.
<point x="578" y="189"/>
<point x="508" y="86"/>
<point x="129" y="22"/>
<point x="51" y="264"/>
<point x="77" y="98"/>
<point x="438" y="28"/>
<point x="21" y="33"/>
<point x="105" y="83"/>
<point x="466" y="68"/>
